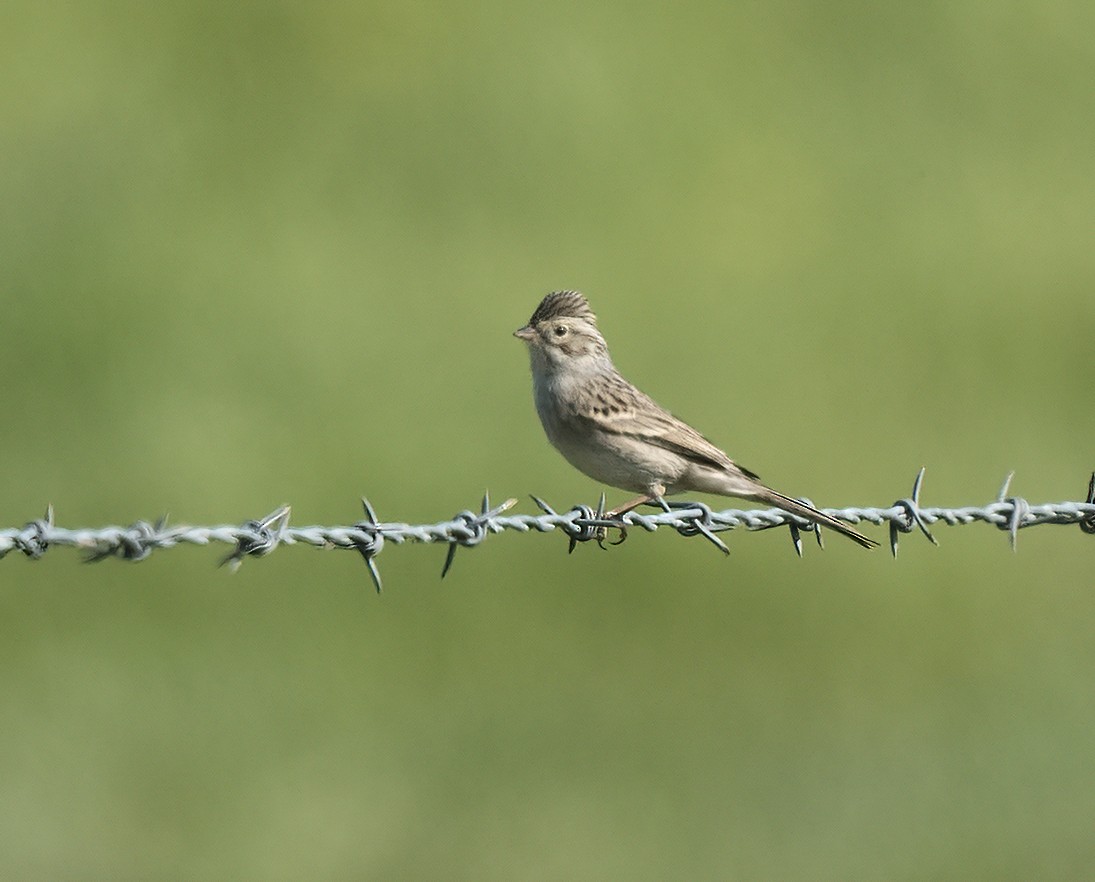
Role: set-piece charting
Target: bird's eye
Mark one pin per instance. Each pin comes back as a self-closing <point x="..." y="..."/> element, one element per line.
<point x="560" y="330"/>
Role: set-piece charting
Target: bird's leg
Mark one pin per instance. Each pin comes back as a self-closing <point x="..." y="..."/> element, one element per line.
<point x="655" y="495"/>
<point x="630" y="506"/>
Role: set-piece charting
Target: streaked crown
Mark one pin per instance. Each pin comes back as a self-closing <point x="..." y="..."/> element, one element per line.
<point x="562" y="304"/>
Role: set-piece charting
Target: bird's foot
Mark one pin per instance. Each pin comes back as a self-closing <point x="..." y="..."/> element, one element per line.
<point x="600" y="535"/>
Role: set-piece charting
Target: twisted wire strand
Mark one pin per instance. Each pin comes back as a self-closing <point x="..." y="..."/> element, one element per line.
<point x="582" y="523"/>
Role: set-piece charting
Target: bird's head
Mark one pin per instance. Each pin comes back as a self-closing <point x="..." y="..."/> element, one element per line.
<point x="563" y="329"/>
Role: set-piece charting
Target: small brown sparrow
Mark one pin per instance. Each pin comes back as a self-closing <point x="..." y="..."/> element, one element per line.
<point x="618" y="435"/>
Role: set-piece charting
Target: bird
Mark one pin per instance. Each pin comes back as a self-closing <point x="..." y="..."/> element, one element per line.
<point x="618" y="435"/>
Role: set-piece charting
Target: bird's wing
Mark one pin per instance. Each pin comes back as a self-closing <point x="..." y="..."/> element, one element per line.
<point x="619" y="408"/>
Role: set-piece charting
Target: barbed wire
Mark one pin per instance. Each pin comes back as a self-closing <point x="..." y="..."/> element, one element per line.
<point x="582" y="523"/>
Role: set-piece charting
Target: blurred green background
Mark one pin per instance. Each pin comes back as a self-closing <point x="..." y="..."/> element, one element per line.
<point x="274" y="252"/>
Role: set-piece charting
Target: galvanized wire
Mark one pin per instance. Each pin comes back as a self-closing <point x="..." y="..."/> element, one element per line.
<point x="582" y="523"/>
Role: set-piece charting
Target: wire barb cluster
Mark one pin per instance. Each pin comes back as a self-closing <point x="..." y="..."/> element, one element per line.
<point x="582" y="523"/>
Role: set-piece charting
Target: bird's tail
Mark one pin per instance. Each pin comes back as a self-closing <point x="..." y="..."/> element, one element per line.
<point x="795" y="507"/>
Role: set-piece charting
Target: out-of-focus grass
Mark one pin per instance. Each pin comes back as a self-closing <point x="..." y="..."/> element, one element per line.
<point x="262" y="254"/>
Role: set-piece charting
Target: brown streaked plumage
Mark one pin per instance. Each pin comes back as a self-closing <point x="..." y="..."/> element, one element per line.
<point x="563" y="304"/>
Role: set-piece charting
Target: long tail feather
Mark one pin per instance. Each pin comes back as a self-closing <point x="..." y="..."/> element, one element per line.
<point x="770" y="496"/>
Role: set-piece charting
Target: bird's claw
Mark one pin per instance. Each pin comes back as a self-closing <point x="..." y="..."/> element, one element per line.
<point x="600" y="535"/>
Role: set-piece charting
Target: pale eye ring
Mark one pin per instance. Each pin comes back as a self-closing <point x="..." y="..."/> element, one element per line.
<point x="560" y="330"/>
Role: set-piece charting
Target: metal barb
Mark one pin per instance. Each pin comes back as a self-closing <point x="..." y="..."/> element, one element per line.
<point x="585" y="523"/>
<point x="258" y="538"/>
<point x="1087" y="524"/>
<point x="135" y="544"/>
<point x="371" y="543"/>
<point x="796" y="525"/>
<point x="911" y="513"/>
<point x="474" y="528"/>
<point x="583" y="527"/>
<point x="813" y="527"/>
<point x="602" y="532"/>
<point x="696" y="525"/>
<point x="796" y="537"/>
<point x="581" y="533"/>
<point x="33" y="540"/>
<point x="547" y="509"/>
<point x="1020" y="510"/>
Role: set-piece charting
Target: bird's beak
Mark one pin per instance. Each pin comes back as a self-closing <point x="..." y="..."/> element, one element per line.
<point x="526" y="333"/>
